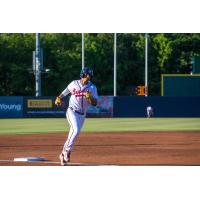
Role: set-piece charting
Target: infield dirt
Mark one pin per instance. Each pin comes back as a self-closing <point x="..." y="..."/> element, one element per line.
<point x="136" y="148"/>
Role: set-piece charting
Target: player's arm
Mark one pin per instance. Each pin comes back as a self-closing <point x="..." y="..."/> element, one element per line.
<point x="61" y="96"/>
<point x="58" y="101"/>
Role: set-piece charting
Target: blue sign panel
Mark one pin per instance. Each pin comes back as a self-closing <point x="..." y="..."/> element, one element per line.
<point x="11" y="107"/>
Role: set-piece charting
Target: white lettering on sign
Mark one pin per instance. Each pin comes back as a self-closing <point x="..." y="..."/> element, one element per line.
<point x="16" y="107"/>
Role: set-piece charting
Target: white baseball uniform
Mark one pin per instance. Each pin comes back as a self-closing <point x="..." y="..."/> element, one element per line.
<point x="149" y="111"/>
<point x="76" y="111"/>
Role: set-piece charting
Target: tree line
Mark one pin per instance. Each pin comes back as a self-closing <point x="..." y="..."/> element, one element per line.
<point x="168" y="53"/>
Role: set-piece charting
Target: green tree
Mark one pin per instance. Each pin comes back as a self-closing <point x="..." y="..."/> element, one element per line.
<point x="62" y="53"/>
<point x="15" y="64"/>
<point x="167" y="53"/>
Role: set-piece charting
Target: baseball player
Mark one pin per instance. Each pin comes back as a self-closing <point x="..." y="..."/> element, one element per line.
<point x="149" y="112"/>
<point x="83" y="93"/>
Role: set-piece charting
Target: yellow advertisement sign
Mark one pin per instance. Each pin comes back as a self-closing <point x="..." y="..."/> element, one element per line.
<point x="39" y="103"/>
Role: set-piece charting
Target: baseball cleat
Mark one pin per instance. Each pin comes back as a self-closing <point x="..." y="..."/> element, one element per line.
<point x="62" y="161"/>
<point x="64" y="158"/>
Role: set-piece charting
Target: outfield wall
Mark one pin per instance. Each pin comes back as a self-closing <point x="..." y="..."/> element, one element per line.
<point x="43" y="107"/>
<point x="162" y="106"/>
<point x="30" y="106"/>
<point x="108" y="106"/>
<point x="11" y="107"/>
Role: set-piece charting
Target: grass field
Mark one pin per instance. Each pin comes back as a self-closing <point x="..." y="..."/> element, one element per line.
<point x="49" y="125"/>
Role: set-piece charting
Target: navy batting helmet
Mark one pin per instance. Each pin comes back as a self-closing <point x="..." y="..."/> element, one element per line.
<point x="86" y="70"/>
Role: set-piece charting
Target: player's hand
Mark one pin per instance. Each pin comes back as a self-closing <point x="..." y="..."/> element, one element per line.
<point x="90" y="98"/>
<point x="58" y="101"/>
<point x="88" y="95"/>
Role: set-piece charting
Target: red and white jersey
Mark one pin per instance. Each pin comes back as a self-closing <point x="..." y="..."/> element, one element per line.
<point x="77" y="100"/>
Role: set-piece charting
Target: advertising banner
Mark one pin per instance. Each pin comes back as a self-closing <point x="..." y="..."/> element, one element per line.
<point x="104" y="107"/>
<point x="39" y="103"/>
<point x="43" y="107"/>
<point x="11" y="107"/>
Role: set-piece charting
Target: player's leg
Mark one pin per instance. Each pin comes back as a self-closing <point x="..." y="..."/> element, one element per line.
<point x="66" y="152"/>
<point x="76" y="122"/>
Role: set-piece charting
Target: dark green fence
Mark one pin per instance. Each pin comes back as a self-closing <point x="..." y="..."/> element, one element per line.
<point x="180" y="85"/>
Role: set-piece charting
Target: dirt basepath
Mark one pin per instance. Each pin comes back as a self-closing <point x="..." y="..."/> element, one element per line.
<point x="138" y="148"/>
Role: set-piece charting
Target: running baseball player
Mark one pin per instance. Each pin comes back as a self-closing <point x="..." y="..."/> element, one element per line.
<point x="83" y="93"/>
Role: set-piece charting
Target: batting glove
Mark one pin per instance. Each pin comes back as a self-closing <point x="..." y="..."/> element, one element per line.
<point x="58" y="101"/>
<point x="88" y="95"/>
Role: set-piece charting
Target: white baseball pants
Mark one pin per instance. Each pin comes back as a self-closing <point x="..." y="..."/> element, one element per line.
<point x="75" y="121"/>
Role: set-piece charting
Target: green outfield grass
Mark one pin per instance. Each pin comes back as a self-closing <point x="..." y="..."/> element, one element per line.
<point x="50" y="125"/>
